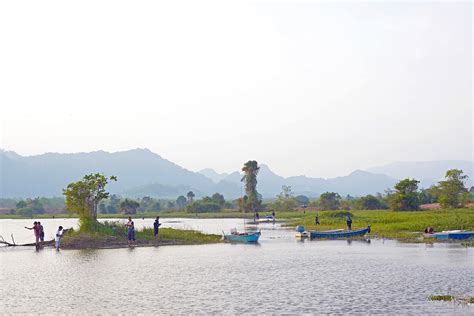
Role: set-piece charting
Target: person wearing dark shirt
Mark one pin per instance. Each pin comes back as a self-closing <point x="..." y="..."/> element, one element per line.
<point x="131" y="231"/>
<point x="349" y="222"/>
<point x="316" y="220"/>
<point x="41" y="233"/>
<point x="156" y="226"/>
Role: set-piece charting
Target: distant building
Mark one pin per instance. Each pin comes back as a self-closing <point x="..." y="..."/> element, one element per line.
<point x="471" y="190"/>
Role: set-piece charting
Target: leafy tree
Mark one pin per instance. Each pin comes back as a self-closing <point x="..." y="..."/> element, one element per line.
<point x="35" y="205"/>
<point x="181" y="202"/>
<point x="254" y="199"/>
<point x="285" y="200"/>
<point x="452" y="192"/>
<point x="302" y="199"/>
<point x="129" y="206"/>
<point x="405" y="196"/>
<point x="190" y="196"/>
<point x="203" y="206"/>
<point x="218" y="198"/>
<point x="21" y="204"/>
<point x="83" y="196"/>
<point x="370" y="202"/>
<point x="428" y="196"/>
<point x="329" y="201"/>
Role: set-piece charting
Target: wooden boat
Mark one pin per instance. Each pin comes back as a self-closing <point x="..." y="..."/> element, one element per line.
<point x="340" y="234"/>
<point x="243" y="237"/>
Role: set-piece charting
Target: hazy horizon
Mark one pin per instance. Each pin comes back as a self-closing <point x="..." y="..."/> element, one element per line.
<point x="316" y="89"/>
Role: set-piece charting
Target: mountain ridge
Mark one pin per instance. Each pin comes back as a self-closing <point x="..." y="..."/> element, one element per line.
<point x="143" y="172"/>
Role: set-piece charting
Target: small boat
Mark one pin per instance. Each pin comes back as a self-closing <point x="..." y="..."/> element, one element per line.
<point x="340" y="233"/>
<point x="266" y="219"/>
<point x="461" y="235"/>
<point x="301" y="235"/>
<point x="243" y="237"/>
<point x="450" y="234"/>
<point x="453" y="234"/>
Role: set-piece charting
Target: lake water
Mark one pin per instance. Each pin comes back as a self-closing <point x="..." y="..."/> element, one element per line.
<point x="279" y="275"/>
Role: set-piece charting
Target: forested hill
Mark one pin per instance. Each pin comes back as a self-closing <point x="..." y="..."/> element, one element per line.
<point x="47" y="174"/>
<point x="144" y="173"/>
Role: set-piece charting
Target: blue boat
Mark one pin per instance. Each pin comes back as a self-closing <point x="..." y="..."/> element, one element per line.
<point x="340" y="234"/>
<point x="243" y="237"/>
<point x="458" y="235"/>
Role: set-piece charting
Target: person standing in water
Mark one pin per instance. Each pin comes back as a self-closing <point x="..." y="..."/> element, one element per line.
<point x="349" y="222"/>
<point x="41" y="233"/>
<point x="57" y="238"/>
<point x="156" y="226"/>
<point x="131" y="231"/>
<point x="36" y="230"/>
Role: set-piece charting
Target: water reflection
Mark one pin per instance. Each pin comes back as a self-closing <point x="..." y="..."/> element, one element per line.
<point x="278" y="275"/>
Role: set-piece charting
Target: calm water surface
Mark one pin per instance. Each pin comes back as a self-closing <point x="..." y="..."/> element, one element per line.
<point x="280" y="275"/>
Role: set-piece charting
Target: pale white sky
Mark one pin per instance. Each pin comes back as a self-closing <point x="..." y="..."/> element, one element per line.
<point x="317" y="88"/>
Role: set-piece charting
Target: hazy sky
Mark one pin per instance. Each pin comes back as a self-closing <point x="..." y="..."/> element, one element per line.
<point x="308" y="88"/>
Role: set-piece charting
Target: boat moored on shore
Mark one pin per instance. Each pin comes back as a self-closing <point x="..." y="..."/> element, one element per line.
<point x="338" y="233"/>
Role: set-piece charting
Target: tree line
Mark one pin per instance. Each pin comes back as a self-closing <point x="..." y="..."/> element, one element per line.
<point x="405" y="196"/>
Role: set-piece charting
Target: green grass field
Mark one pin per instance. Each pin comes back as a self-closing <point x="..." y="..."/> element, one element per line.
<point x="404" y="226"/>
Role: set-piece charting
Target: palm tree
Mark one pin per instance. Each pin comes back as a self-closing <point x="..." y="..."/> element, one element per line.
<point x="190" y="196"/>
<point x="250" y="170"/>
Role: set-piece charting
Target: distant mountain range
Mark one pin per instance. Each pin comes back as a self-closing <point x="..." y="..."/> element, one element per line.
<point x="143" y="173"/>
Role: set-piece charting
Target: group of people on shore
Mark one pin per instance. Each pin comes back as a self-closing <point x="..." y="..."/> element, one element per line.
<point x="38" y="230"/>
<point x="131" y="230"/>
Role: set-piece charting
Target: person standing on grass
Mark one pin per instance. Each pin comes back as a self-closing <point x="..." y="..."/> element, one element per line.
<point x="349" y="222"/>
<point x="131" y="231"/>
<point x="36" y="230"/>
<point x="316" y="220"/>
<point x="57" y="238"/>
<point x="156" y="226"/>
<point x="41" y="233"/>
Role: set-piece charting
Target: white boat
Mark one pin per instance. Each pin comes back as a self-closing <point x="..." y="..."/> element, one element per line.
<point x="266" y="219"/>
<point x="302" y="235"/>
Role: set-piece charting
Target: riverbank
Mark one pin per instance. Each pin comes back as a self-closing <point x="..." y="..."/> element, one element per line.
<point x="402" y="226"/>
<point x="114" y="235"/>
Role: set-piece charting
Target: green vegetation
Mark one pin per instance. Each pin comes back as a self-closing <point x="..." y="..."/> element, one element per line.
<point x="285" y="200"/>
<point x="451" y="298"/>
<point x="94" y="234"/>
<point x="252" y="199"/>
<point x="84" y="196"/>
<point x="405" y="197"/>
<point x="329" y="201"/>
<point x="445" y="298"/>
<point x="452" y="193"/>
<point x="404" y="226"/>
